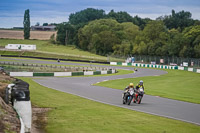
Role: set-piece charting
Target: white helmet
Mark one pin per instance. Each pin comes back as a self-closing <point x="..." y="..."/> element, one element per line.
<point x="141" y="82"/>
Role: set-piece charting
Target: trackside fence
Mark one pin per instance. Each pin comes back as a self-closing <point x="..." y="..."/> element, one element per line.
<point x="157" y="66"/>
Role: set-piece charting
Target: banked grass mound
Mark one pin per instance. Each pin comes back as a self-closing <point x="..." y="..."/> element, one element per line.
<point x="177" y="84"/>
<point x="71" y="113"/>
<point x="46" y="49"/>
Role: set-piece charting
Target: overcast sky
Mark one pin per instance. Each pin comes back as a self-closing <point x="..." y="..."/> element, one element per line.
<point x="56" y="11"/>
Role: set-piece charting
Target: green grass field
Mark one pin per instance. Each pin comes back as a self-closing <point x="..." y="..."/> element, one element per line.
<point x="46" y="49"/>
<point x="75" y="114"/>
<point x="179" y="85"/>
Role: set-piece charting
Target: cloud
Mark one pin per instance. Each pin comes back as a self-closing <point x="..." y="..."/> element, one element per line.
<point x="12" y="11"/>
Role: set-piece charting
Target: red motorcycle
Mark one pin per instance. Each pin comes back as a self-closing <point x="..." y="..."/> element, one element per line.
<point x="138" y="95"/>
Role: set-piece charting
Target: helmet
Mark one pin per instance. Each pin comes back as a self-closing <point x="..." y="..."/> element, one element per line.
<point x="131" y="85"/>
<point x="141" y="82"/>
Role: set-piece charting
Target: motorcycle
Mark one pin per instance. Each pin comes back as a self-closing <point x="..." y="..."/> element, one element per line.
<point x="128" y="96"/>
<point x="138" y="95"/>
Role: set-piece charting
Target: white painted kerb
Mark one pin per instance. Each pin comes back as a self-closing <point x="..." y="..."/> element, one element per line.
<point x="24" y="110"/>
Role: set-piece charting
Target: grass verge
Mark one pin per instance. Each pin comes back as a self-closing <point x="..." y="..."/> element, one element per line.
<point x="75" y="114"/>
<point x="179" y="85"/>
<point x="29" y="60"/>
<point x="46" y="49"/>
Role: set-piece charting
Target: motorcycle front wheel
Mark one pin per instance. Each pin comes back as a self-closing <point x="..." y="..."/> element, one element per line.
<point x="124" y="101"/>
<point x="129" y="100"/>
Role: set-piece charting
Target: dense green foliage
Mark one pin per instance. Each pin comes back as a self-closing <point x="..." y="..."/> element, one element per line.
<point x="85" y="16"/>
<point x="180" y="20"/>
<point x="26" y="24"/>
<point x="120" y="16"/>
<point x="119" y="33"/>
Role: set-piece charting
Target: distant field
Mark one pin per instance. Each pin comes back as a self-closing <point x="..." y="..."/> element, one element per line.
<point x="19" y="34"/>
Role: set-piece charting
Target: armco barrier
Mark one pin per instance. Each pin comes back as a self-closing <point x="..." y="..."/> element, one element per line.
<point x="157" y="66"/>
<point x="109" y="72"/>
<point x="124" y="64"/>
<point x="119" y="63"/>
<point x="88" y="73"/>
<point x="190" y="69"/>
<point x="113" y="71"/>
<point x="77" y="73"/>
<point x="97" y="73"/>
<point x="43" y="74"/>
<point x="24" y="74"/>
<point x="62" y="74"/>
<point x="103" y="72"/>
<point x="180" y="68"/>
<point x="198" y="70"/>
<point x="113" y="63"/>
<point x="55" y="74"/>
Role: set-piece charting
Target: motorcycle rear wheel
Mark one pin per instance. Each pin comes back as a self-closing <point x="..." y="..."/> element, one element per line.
<point x="139" y="99"/>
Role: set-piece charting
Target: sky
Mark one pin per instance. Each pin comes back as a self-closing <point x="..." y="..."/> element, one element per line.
<point x="57" y="11"/>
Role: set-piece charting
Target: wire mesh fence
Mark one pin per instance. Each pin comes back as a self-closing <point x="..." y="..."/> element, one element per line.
<point x="192" y="62"/>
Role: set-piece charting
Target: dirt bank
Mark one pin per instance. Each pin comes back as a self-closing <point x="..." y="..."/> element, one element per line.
<point x="9" y="121"/>
<point x="8" y="118"/>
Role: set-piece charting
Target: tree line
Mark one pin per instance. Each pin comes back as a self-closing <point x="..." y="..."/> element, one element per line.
<point x="119" y="33"/>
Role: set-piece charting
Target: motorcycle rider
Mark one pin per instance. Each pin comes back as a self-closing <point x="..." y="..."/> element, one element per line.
<point x="136" y="89"/>
<point x="131" y="85"/>
<point x="140" y="85"/>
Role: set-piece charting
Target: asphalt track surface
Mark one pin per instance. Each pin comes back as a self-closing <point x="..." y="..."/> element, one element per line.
<point x="83" y="87"/>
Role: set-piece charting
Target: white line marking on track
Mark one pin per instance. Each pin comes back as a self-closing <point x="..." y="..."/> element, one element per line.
<point x="121" y="106"/>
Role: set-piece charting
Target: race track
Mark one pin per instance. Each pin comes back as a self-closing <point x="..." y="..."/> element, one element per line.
<point x="82" y="86"/>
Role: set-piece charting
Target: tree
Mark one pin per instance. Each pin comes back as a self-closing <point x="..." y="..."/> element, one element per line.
<point x="140" y="22"/>
<point x="37" y="24"/>
<point x="185" y="51"/>
<point x="52" y="39"/>
<point x="99" y="36"/>
<point x="120" y="16"/>
<point x="191" y="41"/>
<point x="197" y="50"/>
<point x="175" y="42"/>
<point x="86" y="16"/>
<point x="153" y="30"/>
<point x="45" y="24"/>
<point x="142" y="49"/>
<point x="180" y="20"/>
<point x="26" y="24"/>
<point x="120" y="33"/>
<point x="130" y="31"/>
<point x="65" y="34"/>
